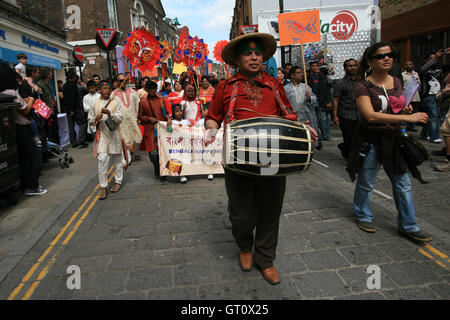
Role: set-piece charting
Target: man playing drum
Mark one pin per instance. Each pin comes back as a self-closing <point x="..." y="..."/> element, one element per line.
<point x="253" y="201"/>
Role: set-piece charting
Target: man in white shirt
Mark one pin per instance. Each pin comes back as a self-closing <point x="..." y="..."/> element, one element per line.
<point x="407" y="75"/>
<point x="90" y="100"/>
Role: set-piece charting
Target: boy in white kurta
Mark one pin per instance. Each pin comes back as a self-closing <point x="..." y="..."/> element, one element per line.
<point x="129" y="126"/>
<point x="108" y="144"/>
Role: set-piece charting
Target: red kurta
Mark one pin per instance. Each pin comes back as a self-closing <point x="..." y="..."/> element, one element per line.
<point x="260" y="98"/>
<point x="150" y="108"/>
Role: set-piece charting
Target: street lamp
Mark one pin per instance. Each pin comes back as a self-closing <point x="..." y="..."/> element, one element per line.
<point x="175" y="23"/>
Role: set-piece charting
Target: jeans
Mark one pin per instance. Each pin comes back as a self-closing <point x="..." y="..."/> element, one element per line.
<point x="325" y="123"/>
<point x="431" y="129"/>
<point x="402" y="190"/>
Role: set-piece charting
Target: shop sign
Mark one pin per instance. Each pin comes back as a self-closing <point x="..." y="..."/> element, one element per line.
<point x="37" y="44"/>
<point x="2" y="34"/>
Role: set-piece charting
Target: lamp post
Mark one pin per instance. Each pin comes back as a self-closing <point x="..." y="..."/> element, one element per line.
<point x="175" y="23"/>
<point x="283" y="58"/>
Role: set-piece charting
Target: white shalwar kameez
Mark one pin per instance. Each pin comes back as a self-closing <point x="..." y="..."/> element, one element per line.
<point x="110" y="144"/>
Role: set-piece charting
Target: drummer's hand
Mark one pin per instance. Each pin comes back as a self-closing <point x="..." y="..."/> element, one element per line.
<point x="210" y="136"/>
<point x="314" y="134"/>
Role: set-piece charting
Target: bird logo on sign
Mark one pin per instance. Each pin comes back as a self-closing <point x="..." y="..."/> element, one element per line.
<point x="298" y="30"/>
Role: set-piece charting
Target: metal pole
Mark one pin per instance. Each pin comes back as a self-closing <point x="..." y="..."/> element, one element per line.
<point x="81" y="72"/>
<point x="283" y="58"/>
<point x="109" y="65"/>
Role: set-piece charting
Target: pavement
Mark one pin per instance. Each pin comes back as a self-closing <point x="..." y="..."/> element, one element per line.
<point x="174" y="241"/>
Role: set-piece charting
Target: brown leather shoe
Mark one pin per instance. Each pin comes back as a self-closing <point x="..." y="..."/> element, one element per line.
<point x="246" y="260"/>
<point x="271" y="275"/>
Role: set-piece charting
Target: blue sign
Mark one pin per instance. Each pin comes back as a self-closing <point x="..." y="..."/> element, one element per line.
<point x="33" y="59"/>
<point x="271" y="67"/>
<point x="3" y="34"/>
<point x="43" y="46"/>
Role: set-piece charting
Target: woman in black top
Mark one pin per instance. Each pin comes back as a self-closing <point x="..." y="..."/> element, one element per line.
<point x="379" y="99"/>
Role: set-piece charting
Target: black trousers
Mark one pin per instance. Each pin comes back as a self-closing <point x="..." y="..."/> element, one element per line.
<point x="255" y="203"/>
<point x="154" y="158"/>
<point x="81" y="120"/>
<point x="30" y="158"/>
<point x="348" y="128"/>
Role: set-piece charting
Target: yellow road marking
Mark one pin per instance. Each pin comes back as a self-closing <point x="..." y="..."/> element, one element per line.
<point x="435" y="251"/>
<point x="426" y="254"/>
<point x="441" y="264"/>
<point x="30" y="273"/>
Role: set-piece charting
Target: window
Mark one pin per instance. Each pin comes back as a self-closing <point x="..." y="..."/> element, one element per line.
<point x="112" y="12"/>
<point x="156" y="25"/>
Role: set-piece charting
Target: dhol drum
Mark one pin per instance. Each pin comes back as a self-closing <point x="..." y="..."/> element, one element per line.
<point x="267" y="147"/>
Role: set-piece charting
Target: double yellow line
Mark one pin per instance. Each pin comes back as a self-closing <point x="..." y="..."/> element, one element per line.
<point x="438" y="257"/>
<point x="42" y="259"/>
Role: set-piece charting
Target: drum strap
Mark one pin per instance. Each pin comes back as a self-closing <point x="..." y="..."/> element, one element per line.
<point x="230" y="114"/>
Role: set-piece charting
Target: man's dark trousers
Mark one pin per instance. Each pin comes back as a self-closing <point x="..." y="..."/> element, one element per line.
<point x="80" y="119"/>
<point x="255" y="202"/>
<point x="348" y="128"/>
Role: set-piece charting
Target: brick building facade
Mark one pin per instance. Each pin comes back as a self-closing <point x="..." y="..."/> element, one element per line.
<point x="124" y="16"/>
<point x="416" y="27"/>
<point x="242" y="16"/>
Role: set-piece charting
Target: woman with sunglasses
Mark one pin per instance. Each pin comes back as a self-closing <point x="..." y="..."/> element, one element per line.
<point x="377" y="140"/>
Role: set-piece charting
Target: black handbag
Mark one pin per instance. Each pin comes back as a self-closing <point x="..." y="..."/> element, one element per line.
<point x="413" y="151"/>
<point x="110" y="124"/>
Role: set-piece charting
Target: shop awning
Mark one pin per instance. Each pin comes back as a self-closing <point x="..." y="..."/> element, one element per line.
<point x="10" y="56"/>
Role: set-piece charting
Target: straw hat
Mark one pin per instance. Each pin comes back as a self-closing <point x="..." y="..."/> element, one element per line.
<point x="266" y="40"/>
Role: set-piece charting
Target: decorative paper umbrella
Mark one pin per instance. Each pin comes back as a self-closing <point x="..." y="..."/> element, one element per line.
<point x="183" y="36"/>
<point x="142" y="50"/>
<point x="218" y="54"/>
<point x="218" y="50"/>
<point x="194" y="52"/>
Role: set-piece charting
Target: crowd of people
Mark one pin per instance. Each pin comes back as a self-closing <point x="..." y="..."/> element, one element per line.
<point x="324" y="102"/>
<point x="120" y="120"/>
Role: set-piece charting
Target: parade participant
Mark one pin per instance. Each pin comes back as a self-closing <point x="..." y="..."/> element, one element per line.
<point x="206" y="90"/>
<point x="166" y="90"/>
<point x="150" y="112"/>
<point x="301" y="97"/>
<point x="377" y="141"/>
<point x="115" y="83"/>
<point x="345" y="111"/>
<point x="253" y="201"/>
<point x="142" y="93"/>
<point x="318" y="84"/>
<point x="108" y="143"/>
<point x="90" y="100"/>
<point x="407" y="75"/>
<point x="96" y="79"/>
<point x="178" y="90"/>
<point x="129" y="126"/>
<point x="432" y="76"/>
<point x="445" y="131"/>
<point x="29" y="155"/>
<point x="192" y="107"/>
<point x="177" y="120"/>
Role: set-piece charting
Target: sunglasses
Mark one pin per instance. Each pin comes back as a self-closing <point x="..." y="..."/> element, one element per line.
<point x="382" y="56"/>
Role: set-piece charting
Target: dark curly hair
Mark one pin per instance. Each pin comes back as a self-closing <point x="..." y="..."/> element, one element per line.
<point x="8" y="80"/>
<point x="363" y="69"/>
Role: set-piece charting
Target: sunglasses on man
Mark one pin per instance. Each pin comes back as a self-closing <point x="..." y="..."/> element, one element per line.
<point x="382" y="56"/>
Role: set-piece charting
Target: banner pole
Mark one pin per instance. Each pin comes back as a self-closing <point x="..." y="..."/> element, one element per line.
<point x="304" y="67"/>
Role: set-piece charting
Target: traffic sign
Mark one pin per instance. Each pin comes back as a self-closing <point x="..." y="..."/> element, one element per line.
<point x="249" y="29"/>
<point x="106" y="36"/>
<point x="78" y="53"/>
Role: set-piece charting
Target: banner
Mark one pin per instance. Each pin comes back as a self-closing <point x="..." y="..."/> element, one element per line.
<point x="299" y="27"/>
<point x="182" y="152"/>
